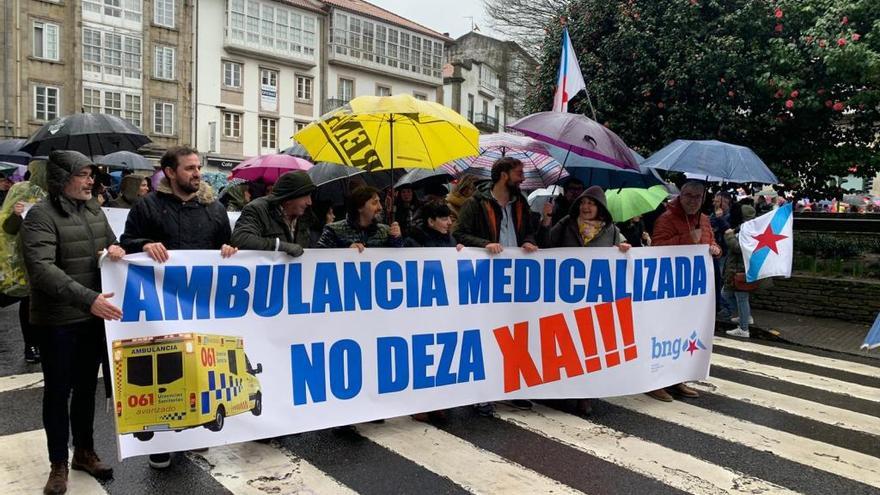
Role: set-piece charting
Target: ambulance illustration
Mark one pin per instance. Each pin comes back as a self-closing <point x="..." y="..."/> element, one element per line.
<point x="184" y="380"/>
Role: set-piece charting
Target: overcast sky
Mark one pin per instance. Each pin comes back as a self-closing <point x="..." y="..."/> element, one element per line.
<point x="444" y="16"/>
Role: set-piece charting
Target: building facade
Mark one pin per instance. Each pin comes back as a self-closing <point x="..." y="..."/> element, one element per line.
<point x="486" y="80"/>
<point x="130" y="59"/>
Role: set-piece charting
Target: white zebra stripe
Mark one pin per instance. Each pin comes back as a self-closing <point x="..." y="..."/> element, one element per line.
<point x="475" y="469"/>
<point x="799" y="357"/>
<point x="24" y="467"/>
<point x="836" y="416"/>
<point x="21" y="382"/>
<point x="842" y="462"/>
<point x="797" y="377"/>
<point x="252" y="468"/>
<point x="675" y="469"/>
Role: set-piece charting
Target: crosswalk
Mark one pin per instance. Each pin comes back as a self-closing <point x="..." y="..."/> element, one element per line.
<point x="772" y="419"/>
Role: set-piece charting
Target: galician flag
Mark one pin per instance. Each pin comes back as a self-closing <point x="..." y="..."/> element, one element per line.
<point x="767" y="244"/>
<point x="570" y="81"/>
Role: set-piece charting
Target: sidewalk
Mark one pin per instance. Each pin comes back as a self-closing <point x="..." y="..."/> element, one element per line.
<point x="822" y="333"/>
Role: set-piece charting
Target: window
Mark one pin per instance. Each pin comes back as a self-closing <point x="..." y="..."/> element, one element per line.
<point x="497" y="114"/>
<point x="470" y="108"/>
<point x="129" y="10"/>
<point x="345" y="91"/>
<point x="111" y="54"/>
<point x="420" y="96"/>
<point x="140" y="371"/>
<point x="45" y="103"/>
<point x="368" y="40"/>
<point x="45" y="40"/>
<point x="163" y="13"/>
<point x="163" y="118"/>
<point x="304" y="88"/>
<point x="383" y="90"/>
<point x="232" y="125"/>
<point x="121" y="104"/>
<point x="232" y="74"/>
<point x="233" y="363"/>
<point x="163" y="62"/>
<point x="300" y="126"/>
<point x="169" y="367"/>
<point x="271" y="27"/>
<point x="485" y="110"/>
<point x="268" y="133"/>
<point x="269" y="90"/>
<point x="488" y="77"/>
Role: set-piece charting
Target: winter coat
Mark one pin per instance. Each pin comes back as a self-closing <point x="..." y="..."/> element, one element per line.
<point x="566" y="233"/>
<point x="633" y="232"/>
<point x="61" y="239"/>
<point x="262" y="222"/>
<point x="128" y="192"/>
<point x="673" y="227"/>
<point x="425" y="236"/>
<point x="344" y="233"/>
<point x="13" y="276"/>
<point x="200" y="223"/>
<point x="235" y="199"/>
<point x="734" y="263"/>
<point x="479" y="220"/>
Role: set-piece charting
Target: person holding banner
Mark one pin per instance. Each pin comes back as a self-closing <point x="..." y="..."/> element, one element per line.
<point x="498" y="216"/>
<point x="181" y="214"/>
<point x="435" y="228"/>
<point x="588" y="224"/>
<point x="361" y="228"/>
<point x="279" y="221"/>
<point x="63" y="239"/>
<point x="682" y="224"/>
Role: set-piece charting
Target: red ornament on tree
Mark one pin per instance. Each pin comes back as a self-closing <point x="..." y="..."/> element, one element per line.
<point x="789" y="104"/>
<point x="778" y="13"/>
<point x="794" y="94"/>
<point x="778" y="28"/>
<point x="829" y="103"/>
<point x="838" y="106"/>
<point x="856" y="36"/>
<point x="841" y="42"/>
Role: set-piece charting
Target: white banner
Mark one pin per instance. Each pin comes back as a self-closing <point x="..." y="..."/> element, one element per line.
<point x="117" y="217"/>
<point x="262" y="344"/>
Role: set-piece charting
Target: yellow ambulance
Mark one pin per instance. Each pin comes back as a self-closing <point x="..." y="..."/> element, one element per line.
<point x="184" y="380"/>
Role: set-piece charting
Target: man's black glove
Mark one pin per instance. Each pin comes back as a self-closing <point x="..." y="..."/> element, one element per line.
<point x="291" y="248"/>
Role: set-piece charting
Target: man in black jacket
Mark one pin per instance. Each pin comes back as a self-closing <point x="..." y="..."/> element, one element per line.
<point x="181" y="214"/>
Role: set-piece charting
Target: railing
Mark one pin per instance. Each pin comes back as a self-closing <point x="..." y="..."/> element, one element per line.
<point x="331" y="104"/>
<point x="486" y="121"/>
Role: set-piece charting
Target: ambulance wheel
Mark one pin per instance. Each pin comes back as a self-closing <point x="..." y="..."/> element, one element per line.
<point x="143" y="437"/>
<point x="258" y="405"/>
<point x="217" y="424"/>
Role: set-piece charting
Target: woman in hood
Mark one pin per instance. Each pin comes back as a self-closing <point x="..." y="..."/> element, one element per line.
<point x="588" y="224"/>
<point x="132" y="188"/>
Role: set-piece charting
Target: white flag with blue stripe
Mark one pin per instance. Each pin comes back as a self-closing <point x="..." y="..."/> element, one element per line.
<point x="767" y="244"/>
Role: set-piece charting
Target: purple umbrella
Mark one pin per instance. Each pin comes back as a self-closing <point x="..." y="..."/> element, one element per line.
<point x="577" y="134"/>
<point x="268" y="168"/>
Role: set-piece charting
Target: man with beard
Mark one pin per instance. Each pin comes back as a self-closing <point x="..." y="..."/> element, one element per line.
<point x="182" y="214"/>
<point x="498" y="216"/>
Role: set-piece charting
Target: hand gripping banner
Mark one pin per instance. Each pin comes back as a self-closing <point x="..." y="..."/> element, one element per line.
<point x="213" y="351"/>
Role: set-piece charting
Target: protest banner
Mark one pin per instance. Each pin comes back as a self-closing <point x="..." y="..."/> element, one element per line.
<point x="212" y="351"/>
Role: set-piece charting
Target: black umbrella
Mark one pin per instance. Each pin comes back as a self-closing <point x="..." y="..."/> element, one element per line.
<point x="125" y="159"/>
<point x="333" y="180"/>
<point x="297" y="150"/>
<point x="89" y="133"/>
<point x="10" y="151"/>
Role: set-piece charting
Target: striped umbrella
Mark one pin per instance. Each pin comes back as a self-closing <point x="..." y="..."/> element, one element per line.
<point x="539" y="168"/>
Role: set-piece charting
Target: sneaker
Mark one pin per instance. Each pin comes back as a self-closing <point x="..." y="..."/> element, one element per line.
<point x="735" y="319"/>
<point x="661" y="395"/>
<point x="485" y="409"/>
<point x="88" y="461"/>
<point x="31" y="354"/>
<point x="525" y="405"/>
<point x="57" y="482"/>
<point x="738" y="332"/>
<point x="160" y="461"/>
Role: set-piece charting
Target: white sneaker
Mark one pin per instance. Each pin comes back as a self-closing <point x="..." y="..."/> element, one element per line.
<point x="738" y="332"/>
<point x="735" y="319"/>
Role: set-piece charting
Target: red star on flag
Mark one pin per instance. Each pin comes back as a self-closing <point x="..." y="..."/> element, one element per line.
<point x="768" y="239"/>
<point x="692" y="347"/>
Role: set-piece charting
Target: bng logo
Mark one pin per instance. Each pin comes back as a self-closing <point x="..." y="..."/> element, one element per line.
<point x="676" y="347"/>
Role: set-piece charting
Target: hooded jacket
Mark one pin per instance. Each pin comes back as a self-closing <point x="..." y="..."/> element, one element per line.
<point x="479" y="220"/>
<point x="128" y="192"/>
<point x="13" y="276"/>
<point x="200" y="223"/>
<point x="262" y="223"/>
<point x="61" y="238"/>
<point x="425" y="236"/>
<point x="735" y="263"/>
<point x="674" y="226"/>
<point x="235" y="198"/>
<point x="566" y="233"/>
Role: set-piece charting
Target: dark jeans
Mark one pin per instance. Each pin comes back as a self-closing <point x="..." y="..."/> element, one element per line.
<point x="28" y="331"/>
<point x="70" y="356"/>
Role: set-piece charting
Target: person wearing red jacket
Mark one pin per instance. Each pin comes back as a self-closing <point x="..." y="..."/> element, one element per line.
<point x="684" y="224"/>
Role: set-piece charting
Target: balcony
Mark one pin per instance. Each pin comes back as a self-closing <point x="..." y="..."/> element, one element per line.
<point x="331" y="104"/>
<point x="485" y="122"/>
<point x="339" y="54"/>
<point x="488" y="90"/>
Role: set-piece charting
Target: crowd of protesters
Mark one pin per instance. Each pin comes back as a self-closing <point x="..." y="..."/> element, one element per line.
<point x="50" y="254"/>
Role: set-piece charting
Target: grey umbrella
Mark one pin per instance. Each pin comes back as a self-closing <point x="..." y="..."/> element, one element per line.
<point x="419" y="177"/>
<point x="89" y="133"/>
<point x="9" y="151"/>
<point x="125" y="159"/>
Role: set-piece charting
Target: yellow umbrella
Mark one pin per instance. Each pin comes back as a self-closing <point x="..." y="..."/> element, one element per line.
<point x="383" y="132"/>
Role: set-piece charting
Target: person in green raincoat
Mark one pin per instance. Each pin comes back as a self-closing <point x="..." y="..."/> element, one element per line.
<point x="13" y="279"/>
<point x="235" y="196"/>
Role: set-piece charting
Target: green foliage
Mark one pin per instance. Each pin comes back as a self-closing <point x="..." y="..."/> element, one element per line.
<point x="798" y="81"/>
<point x="830" y="246"/>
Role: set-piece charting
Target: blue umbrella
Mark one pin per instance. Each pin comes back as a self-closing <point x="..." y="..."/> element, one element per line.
<point x="597" y="173"/>
<point x="727" y="162"/>
<point x="872" y="340"/>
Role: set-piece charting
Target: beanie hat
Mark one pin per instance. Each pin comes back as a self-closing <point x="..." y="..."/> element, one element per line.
<point x="291" y="185"/>
<point x="748" y="212"/>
